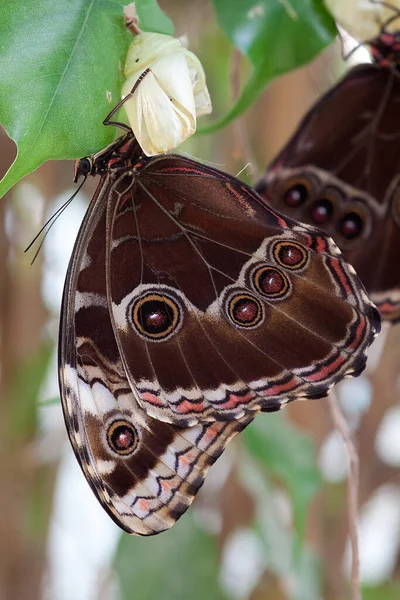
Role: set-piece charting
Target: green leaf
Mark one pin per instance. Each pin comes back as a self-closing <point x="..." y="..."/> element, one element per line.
<point x="289" y="455"/>
<point x="152" y="18"/>
<point x="178" y="564"/>
<point x="61" y="74"/>
<point x="277" y="37"/>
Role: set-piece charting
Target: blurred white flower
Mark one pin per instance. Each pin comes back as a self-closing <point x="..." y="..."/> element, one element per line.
<point x="163" y="110"/>
<point x="363" y="19"/>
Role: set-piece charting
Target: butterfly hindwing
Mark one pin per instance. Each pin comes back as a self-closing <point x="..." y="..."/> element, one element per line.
<point x="144" y="472"/>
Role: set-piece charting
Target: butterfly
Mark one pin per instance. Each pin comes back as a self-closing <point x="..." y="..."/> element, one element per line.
<point x="340" y="171"/>
<point x="190" y="306"/>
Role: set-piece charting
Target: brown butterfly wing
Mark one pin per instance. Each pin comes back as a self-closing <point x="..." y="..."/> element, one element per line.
<point x="343" y="164"/>
<point x="220" y="306"/>
<point x="144" y="472"/>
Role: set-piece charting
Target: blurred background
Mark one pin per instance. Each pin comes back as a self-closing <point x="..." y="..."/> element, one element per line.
<point x="271" y="520"/>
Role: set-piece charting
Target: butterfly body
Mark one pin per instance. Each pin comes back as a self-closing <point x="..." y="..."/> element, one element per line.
<point x="189" y="306"/>
<point x="340" y="172"/>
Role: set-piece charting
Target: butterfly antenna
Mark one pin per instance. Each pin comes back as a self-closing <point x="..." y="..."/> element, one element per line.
<point x="50" y="222"/>
<point x="39" y="247"/>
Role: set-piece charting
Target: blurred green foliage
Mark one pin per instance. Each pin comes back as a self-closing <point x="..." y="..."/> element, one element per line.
<point x="276" y="37"/>
<point x="388" y="591"/>
<point x="289" y="455"/>
<point x="181" y="563"/>
<point x="27" y="380"/>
